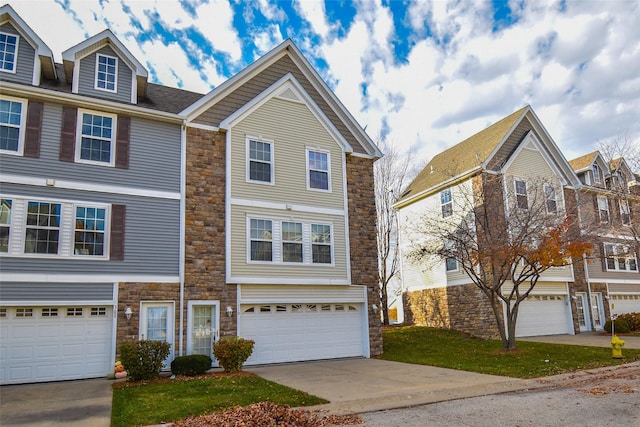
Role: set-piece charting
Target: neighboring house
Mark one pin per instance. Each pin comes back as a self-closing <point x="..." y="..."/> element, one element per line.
<point x="133" y="210"/>
<point x="608" y="210"/>
<point x="515" y="155"/>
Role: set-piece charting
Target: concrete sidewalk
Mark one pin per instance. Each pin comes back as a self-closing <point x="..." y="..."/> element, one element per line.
<point x="365" y="385"/>
<point x="591" y="339"/>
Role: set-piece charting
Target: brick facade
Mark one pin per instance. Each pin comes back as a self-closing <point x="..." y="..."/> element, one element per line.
<point x="362" y="237"/>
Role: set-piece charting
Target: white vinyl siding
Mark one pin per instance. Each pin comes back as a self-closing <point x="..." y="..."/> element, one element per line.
<point x="293" y="129"/>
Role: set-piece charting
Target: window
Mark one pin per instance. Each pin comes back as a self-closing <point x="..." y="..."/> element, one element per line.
<point x="61" y="228"/>
<point x="43" y="228"/>
<point x="603" y="209"/>
<point x="74" y="311"/>
<point x="321" y="243"/>
<point x="596" y="173"/>
<point x="5" y="224"/>
<point x="625" y="213"/>
<point x="522" y="201"/>
<point x="261" y="240"/>
<point x="620" y="258"/>
<point x="24" y="312"/>
<point x="318" y="166"/>
<point x="8" y="52"/>
<point x="12" y="125"/>
<point x="49" y="312"/>
<point x="96" y="138"/>
<point x="98" y="311"/>
<point x="89" y="231"/>
<point x="451" y="264"/>
<point x="292" y="242"/>
<point x="550" y="198"/>
<point x="106" y="72"/>
<point x="446" y="203"/>
<point x="260" y="159"/>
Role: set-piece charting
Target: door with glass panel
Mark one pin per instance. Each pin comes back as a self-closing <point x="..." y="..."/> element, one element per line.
<point x="203" y="327"/>
<point x="597" y="310"/>
<point x="157" y="324"/>
<point x="582" y="310"/>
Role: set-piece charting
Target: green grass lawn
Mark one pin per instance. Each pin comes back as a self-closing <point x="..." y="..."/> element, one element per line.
<point x="449" y="349"/>
<point x="166" y="400"/>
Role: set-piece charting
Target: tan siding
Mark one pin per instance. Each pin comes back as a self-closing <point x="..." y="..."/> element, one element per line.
<point x="541" y="288"/>
<point x="625" y="288"/>
<point x="300" y="294"/>
<point x="225" y="107"/>
<point x="291" y="127"/>
<point x="241" y="268"/>
<point x="530" y="163"/>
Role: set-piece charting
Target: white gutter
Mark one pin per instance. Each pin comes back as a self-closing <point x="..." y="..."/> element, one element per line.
<point x="183" y="196"/>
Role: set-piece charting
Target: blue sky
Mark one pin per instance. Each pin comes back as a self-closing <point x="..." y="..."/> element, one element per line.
<point x="425" y="74"/>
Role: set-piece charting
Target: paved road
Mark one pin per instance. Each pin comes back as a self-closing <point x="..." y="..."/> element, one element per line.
<point x="610" y="398"/>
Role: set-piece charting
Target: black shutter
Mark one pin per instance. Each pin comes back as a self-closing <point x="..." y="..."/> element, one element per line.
<point x="118" y="219"/>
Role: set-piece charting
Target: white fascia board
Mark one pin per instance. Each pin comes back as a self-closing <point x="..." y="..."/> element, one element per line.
<point x="286" y="206"/>
<point x="247" y="280"/>
<point x="88" y="278"/>
<point x="88" y="102"/>
<point x="86" y="186"/>
<point x="51" y="303"/>
<point x="289" y="82"/>
<point x="8" y="14"/>
<point x="107" y="37"/>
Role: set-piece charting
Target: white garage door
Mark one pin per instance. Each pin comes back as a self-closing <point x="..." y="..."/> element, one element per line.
<point x="40" y="344"/>
<point x="543" y="315"/>
<point x="625" y="303"/>
<point x="296" y="332"/>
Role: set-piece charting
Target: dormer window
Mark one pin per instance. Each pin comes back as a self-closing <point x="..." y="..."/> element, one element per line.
<point x="596" y="173"/>
<point x="106" y="72"/>
<point x="8" y="52"/>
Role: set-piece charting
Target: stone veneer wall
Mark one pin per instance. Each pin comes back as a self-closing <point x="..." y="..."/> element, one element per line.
<point x="130" y="294"/>
<point x="362" y="235"/>
<point x="205" y="273"/>
<point x="462" y="308"/>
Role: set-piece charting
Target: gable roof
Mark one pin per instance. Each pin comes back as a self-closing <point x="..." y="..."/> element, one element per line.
<point x="488" y="149"/>
<point x="92" y="44"/>
<point x="320" y="91"/>
<point x="583" y="162"/>
<point x="45" y="55"/>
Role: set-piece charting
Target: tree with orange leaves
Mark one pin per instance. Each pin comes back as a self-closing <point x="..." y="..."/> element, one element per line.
<point x="502" y="242"/>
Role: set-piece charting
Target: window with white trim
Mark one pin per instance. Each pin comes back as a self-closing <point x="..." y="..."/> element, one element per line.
<point x="261" y="240"/>
<point x="318" y="167"/>
<point x="446" y="203"/>
<point x="451" y="264"/>
<point x="95" y="141"/>
<point x="277" y="241"/>
<point x="550" y="199"/>
<point x="522" y="199"/>
<point x="5" y="224"/>
<point x="596" y="173"/>
<point x="8" y="52"/>
<point x="620" y="258"/>
<point x="625" y="212"/>
<point x="31" y="227"/>
<point x="13" y="116"/>
<point x="106" y="73"/>
<point x="321" y="244"/>
<point x="259" y="161"/>
<point x="603" y="209"/>
<point x="292" y="250"/>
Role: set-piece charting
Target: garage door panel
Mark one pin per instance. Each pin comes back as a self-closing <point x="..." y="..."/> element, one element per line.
<point x="543" y="315"/>
<point x="55" y="344"/>
<point x="625" y="303"/>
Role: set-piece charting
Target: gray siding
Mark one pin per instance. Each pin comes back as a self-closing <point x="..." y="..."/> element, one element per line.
<point x="154" y="157"/>
<point x="87" y="79"/>
<point x="12" y="291"/>
<point x="152" y="236"/>
<point x="253" y="87"/>
<point x="26" y="59"/>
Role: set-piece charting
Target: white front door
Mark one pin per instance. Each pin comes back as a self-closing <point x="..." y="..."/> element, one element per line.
<point x="582" y="310"/>
<point x="202" y="327"/>
<point x="157" y="324"/>
<point x="597" y="310"/>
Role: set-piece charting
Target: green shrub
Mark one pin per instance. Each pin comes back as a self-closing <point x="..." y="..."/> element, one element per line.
<point x="633" y="319"/>
<point x="143" y="359"/>
<point x="621" y="325"/>
<point x="232" y="352"/>
<point x="194" y="364"/>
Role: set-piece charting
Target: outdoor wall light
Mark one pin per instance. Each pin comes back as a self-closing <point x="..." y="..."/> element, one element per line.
<point x="128" y="312"/>
<point x="229" y="311"/>
<point x="573" y="297"/>
<point x="374" y="308"/>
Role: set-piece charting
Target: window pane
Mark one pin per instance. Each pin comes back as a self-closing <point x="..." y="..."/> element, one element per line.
<point x="8" y="44"/>
<point x="95" y="143"/>
<point x="321" y="254"/>
<point x="320" y="233"/>
<point x="260" y="151"/>
<point x="5" y="222"/>
<point x="261" y="251"/>
<point x="319" y="180"/>
<point x="10" y="119"/>
<point x="291" y="252"/>
<point x="259" y="171"/>
<point x="89" y="235"/>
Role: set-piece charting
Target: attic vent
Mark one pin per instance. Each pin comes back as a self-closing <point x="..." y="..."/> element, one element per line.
<point x="478" y="156"/>
<point x="432" y="169"/>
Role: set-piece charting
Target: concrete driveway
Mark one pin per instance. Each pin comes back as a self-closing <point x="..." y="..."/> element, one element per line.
<point x="85" y="403"/>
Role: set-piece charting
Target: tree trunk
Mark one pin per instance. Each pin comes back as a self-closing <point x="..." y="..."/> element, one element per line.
<point x="383" y="304"/>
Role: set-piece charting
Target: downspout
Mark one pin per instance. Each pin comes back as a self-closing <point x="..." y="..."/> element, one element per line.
<point x="183" y="179"/>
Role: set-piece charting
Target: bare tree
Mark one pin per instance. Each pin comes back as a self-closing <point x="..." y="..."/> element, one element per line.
<point x="392" y="174"/>
<point x="622" y="146"/>
<point x="503" y="242"/>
